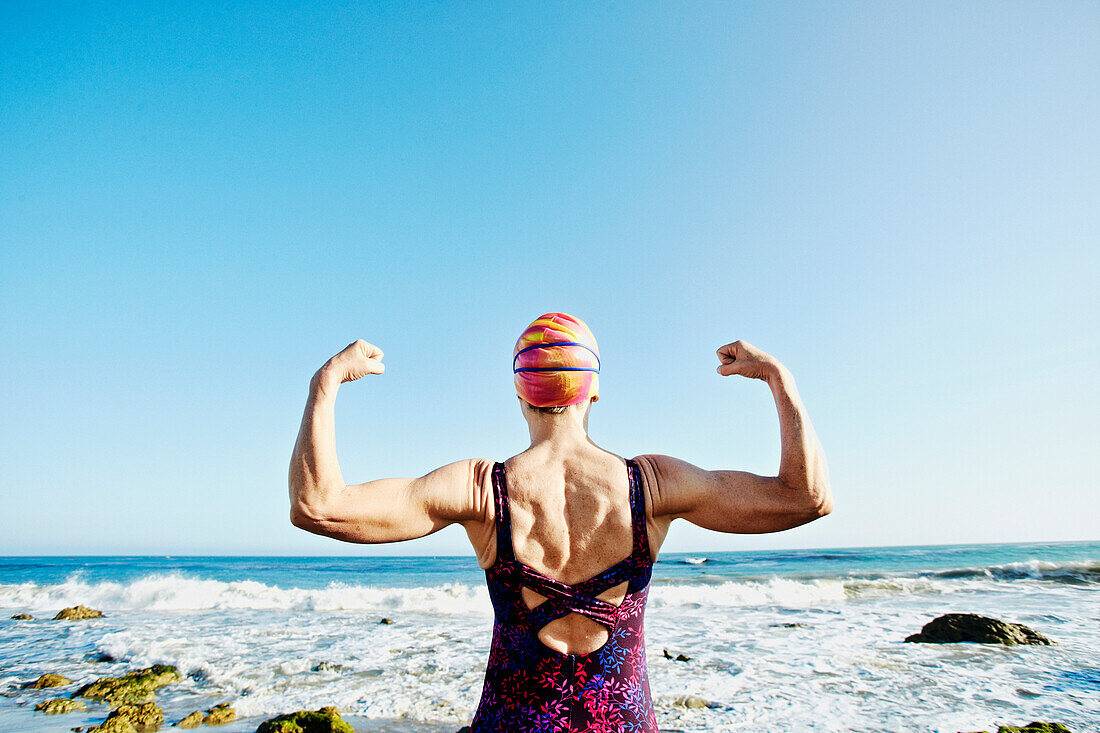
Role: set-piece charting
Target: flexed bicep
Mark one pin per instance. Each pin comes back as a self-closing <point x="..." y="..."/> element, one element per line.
<point x="397" y="509"/>
<point x="724" y="501"/>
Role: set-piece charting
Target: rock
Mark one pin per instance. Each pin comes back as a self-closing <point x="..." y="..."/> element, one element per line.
<point x="958" y="627"/>
<point x="464" y="729"/>
<point x="1035" y="727"/>
<point x="114" y="725"/>
<point x="99" y="657"/>
<point x="77" y="613"/>
<point x="134" y="687"/>
<point x="144" y="717"/>
<point x="678" y="657"/>
<point x="220" y="715"/>
<point x="47" y="681"/>
<point x="386" y="621"/>
<point x="59" y="705"/>
<point x="22" y="617"/>
<point x="789" y="625"/>
<point x="328" y="667"/>
<point x="325" y="720"/>
<point x="194" y="720"/>
<point x="692" y="701"/>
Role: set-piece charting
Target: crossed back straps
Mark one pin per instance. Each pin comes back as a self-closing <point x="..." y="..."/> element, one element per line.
<point x="562" y="598"/>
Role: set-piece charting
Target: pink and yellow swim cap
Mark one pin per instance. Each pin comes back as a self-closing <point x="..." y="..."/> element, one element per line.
<point x="556" y="362"/>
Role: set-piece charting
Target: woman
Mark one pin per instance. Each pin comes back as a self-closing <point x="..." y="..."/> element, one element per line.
<point x="566" y="531"/>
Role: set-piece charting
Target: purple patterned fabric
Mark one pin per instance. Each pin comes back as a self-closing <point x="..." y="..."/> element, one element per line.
<point x="530" y="687"/>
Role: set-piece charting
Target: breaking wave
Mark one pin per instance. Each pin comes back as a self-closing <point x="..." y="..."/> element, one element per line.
<point x="1073" y="573"/>
<point x="177" y="592"/>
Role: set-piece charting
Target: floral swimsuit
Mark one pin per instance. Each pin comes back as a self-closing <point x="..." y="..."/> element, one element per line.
<point x="531" y="688"/>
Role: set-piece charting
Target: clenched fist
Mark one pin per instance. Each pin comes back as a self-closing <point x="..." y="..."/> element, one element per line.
<point x="743" y="358"/>
<point x="358" y="359"/>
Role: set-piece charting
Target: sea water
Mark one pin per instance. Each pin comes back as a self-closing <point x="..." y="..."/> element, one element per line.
<point x="800" y="640"/>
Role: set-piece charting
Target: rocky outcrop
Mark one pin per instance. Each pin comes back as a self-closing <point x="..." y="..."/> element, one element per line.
<point x="220" y="715"/>
<point x="325" y="720"/>
<point x="953" y="628"/>
<point x="1036" y="727"/>
<point x="386" y="621"/>
<point x="144" y="717"/>
<point x="113" y="725"/>
<point x="193" y="720"/>
<point x="677" y="657"/>
<point x="22" y="617"/>
<point x="132" y="688"/>
<point x="47" y="681"/>
<point x="59" y="705"/>
<point x="217" y="715"/>
<point x="77" y="613"/>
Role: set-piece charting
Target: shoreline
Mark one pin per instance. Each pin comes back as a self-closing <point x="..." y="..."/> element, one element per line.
<point x="806" y="641"/>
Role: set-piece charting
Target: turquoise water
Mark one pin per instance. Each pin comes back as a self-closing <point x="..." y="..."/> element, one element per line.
<point x="782" y="640"/>
<point x="406" y="572"/>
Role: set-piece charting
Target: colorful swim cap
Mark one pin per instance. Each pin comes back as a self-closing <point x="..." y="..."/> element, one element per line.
<point x="556" y="362"/>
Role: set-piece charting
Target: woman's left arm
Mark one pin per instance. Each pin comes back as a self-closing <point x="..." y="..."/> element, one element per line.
<point x="387" y="510"/>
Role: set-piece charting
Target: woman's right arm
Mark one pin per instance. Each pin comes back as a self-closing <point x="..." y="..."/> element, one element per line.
<point x="738" y="501"/>
<point x="385" y="510"/>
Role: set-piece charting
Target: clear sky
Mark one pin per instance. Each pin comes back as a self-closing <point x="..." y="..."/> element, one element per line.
<point x="200" y="204"/>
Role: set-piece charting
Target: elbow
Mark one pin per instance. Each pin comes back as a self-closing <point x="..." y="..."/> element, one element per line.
<point x="300" y="518"/>
<point x="304" y="516"/>
<point x="816" y="502"/>
<point x="823" y="501"/>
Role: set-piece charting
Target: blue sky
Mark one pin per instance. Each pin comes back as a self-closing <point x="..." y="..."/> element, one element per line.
<point x="200" y="204"/>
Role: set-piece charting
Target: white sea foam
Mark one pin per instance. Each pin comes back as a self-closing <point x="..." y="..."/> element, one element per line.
<point x="1086" y="572"/>
<point x="174" y="592"/>
<point x="177" y="593"/>
<point x="784" y="653"/>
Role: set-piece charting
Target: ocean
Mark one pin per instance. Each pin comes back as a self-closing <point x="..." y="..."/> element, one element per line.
<point x="798" y="640"/>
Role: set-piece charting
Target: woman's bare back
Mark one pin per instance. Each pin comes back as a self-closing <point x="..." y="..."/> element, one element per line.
<point x="570" y="521"/>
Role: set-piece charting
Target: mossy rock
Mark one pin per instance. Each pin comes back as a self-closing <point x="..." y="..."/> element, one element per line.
<point x="77" y="613"/>
<point x="132" y="688"/>
<point x="59" y="705"/>
<point x="114" y="725"/>
<point x="953" y="628"/>
<point x="220" y="715"/>
<point x="692" y="702"/>
<point x="47" y="681"/>
<point x="325" y="720"/>
<point x="144" y="717"/>
<point x="1035" y="727"/>
<point x="194" y="720"/>
<point x="22" y="617"/>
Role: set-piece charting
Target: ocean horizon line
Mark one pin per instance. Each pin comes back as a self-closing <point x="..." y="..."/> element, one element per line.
<point x="464" y="555"/>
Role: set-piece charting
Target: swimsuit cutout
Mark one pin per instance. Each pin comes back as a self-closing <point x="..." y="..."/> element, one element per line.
<point x="531" y="688"/>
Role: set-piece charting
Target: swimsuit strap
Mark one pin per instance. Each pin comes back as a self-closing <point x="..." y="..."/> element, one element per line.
<point x="637" y="513"/>
<point x="503" y="518"/>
